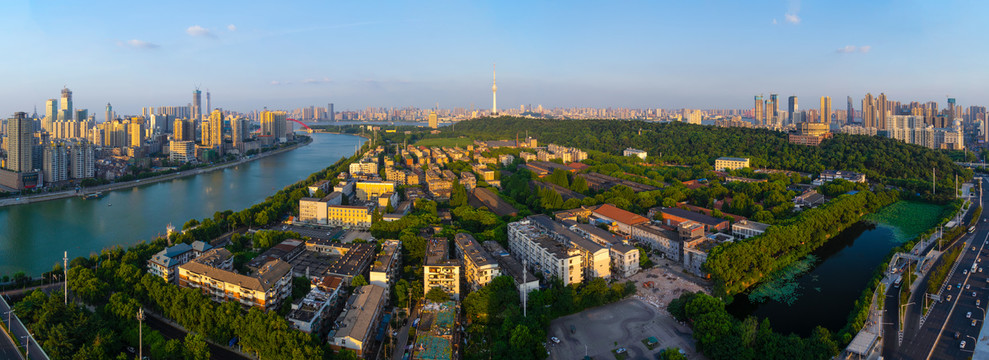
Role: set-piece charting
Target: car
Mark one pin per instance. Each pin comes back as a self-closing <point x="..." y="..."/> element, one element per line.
<point x="973" y="294"/>
<point x="949" y="297"/>
<point x="962" y="344"/>
<point x="980" y="269"/>
<point x="620" y="351"/>
<point x="958" y="334"/>
<point x="973" y="322"/>
<point x="973" y="248"/>
<point x="130" y="349"/>
<point x="949" y="287"/>
<point x="965" y="272"/>
<point x="968" y="286"/>
<point x="968" y="315"/>
<point x="555" y="339"/>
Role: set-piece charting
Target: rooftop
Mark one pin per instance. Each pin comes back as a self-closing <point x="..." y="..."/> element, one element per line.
<point x="472" y="250"/>
<point x="690" y="215"/>
<point x="438" y="253"/>
<point x="729" y="158"/>
<point x="362" y="308"/>
<point x="619" y="215"/>
<point x="355" y="258"/>
<point x="267" y="277"/>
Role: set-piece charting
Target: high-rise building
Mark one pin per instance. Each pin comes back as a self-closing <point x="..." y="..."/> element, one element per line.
<point x="869" y="112"/>
<point x="214" y="138"/>
<point x="109" y="112"/>
<point x="772" y="111"/>
<point x="951" y="109"/>
<point x="55" y="165"/>
<point x="65" y="107"/>
<point x="81" y="160"/>
<point x="135" y="132"/>
<point x="760" y="110"/>
<point x="792" y="108"/>
<point x="238" y="129"/>
<point x="197" y="103"/>
<point x="332" y="114"/>
<point x="51" y="115"/>
<point x="882" y="108"/>
<point x="433" y="120"/>
<point x="494" y="91"/>
<point x="849" y="112"/>
<point x="82" y="114"/>
<point x="273" y="124"/>
<point x="20" y="138"/>
<point x="183" y="130"/>
<point x="209" y="108"/>
<point x="826" y="109"/>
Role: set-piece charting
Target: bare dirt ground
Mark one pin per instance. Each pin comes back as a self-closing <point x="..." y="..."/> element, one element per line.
<point x="666" y="281"/>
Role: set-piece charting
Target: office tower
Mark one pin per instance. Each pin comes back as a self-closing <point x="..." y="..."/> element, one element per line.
<point x="849" y="112"/>
<point x="209" y="109"/>
<point x="273" y="124"/>
<point x="760" y="108"/>
<point x="51" y="114"/>
<point x="951" y="109"/>
<point x="494" y="91"/>
<point x="109" y="112"/>
<point x="792" y="109"/>
<point x="197" y="102"/>
<point x="433" y="120"/>
<point x="773" y="109"/>
<point x="214" y="138"/>
<point x="82" y="114"/>
<point x="237" y="130"/>
<point x="826" y="109"/>
<point x="55" y="166"/>
<point x="65" y="107"/>
<point x="332" y="114"/>
<point x="882" y="108"/>
<point x="20" y="138"/>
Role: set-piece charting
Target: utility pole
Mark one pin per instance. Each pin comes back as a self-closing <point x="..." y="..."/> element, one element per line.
<point x="525" y="292"/>
<point x="140" y="333"/>
<point x="65" y="268"/>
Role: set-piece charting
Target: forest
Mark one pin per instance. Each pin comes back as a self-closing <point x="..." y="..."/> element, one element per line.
<point x="885" y="160"/>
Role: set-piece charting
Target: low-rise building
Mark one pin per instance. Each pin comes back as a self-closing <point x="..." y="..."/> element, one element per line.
<point x="745" y="229"/>
<point x="730" y="163"/>
<point x="355" y="259"/>
<point x="439" y="270"/>
<point x="364" y="167"/>
<point x="831" y="175"/>
<point x="676" y="216"/>
<point x="635" y="152"/>
<point x="658" y="238"/>
<point x="371" y="190"/>
<point x="165" y="263"/>
<point x="323" y="185"/>
<point x="535" y="248"/>
<point x="595" y="257"/>
<point x="384" y="270"/>
<point x="624" y="257"/>
<point x="357" y="322"/>
<point x="524" y="280"/>
<point x="315" y="210"/>
<point x="212" y="275"/>
<point x="479" y="266"/>
<point x="309" y="314"/>
<point x="621" y="219"/>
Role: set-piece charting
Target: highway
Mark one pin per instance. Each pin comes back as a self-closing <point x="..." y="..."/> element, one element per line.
<point x="936" y="338"/>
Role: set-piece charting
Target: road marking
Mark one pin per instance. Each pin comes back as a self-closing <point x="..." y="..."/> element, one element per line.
<point x="955" y="303"/>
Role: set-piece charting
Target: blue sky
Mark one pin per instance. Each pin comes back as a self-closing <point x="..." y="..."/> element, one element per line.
<point x="666" y="54"/>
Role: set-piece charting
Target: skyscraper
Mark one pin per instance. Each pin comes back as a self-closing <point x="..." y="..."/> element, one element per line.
<point x="792" y="109"/>
<point x="51" y="115"/>
<point x="197" y="103"/>
<point x="209" y="109"/>
<point x="332" y="115"/>
<point x="772" y="111"/>
<point x="826" y="109"/>
<point x="951" y="109"/>
<point x="214" y="138"/>
<point x="237" y="130"/>
<point x="20" y="137"/>
<point x="109" y="112"/>
<point x="760" y="108"/>
<point x="849" y="112"/>
<point x="183" y="130"/>
<point x="433" y="120"/>
<point x="882" y="108"/>
<point x="494" y="91"/>
<point x="65" y="107"/>
<point x="273" y="124"/>
<point x="868" y="111"/>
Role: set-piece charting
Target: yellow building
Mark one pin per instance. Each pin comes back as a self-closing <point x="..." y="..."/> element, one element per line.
<point x="214" y="138"/>
<point x="433" y="120"/>
<point x="479" y="266"/>
<point x="439" y="270"/>
<point x="370" y="190"/>
<point x="212" y="274"/>
<point x="273" y="124"/>
<point x="349" y="215"/>
<point x="730" y="163"/>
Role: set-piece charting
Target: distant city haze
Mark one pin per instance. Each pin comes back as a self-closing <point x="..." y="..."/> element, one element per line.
<point x="701" y="55"/>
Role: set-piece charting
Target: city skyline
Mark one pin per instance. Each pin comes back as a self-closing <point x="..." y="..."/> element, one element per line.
<point x="641" y="56"/>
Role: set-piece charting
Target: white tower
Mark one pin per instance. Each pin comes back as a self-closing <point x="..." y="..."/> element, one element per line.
<point x="494" y="90"/>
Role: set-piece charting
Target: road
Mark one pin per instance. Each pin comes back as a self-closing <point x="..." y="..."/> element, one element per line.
<point x="17" y="332"/>
<point x="171" y="332"/>
<point x="8" y="350"/>
<point x="403" y="336"/>
<point x="936" y="338"/>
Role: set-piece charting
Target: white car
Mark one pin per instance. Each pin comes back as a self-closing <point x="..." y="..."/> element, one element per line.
<point x="962" y="344"/>
<point x="973" y="322"/>
<point x="968" y="286"/>
<point x="968" y="315"/>
<point x="555" y="339"/>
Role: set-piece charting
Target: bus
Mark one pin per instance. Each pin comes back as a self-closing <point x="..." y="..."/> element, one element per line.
<point x="898" y="280"/>
<point x="971" y="229"/>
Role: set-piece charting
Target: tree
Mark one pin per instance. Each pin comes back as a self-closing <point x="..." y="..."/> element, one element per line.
<point x="195" y="347"/>
<point x="671" y="353"/>
<point x="358" y="281"/>
<point x="436" y="294"/>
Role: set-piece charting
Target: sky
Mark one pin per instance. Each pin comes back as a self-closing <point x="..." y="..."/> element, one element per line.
<point x="642" y="54"/>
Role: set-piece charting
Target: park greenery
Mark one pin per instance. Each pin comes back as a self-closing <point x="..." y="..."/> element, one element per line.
<point x="736" y="266"/>
<point x="721" y="336"/>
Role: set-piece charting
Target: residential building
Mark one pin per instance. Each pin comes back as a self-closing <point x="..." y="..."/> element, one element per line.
<point x="181" y="151"/>
<point x="439" y="270"/>
<point x="386" y="266"/>
<point x="595" y="259"/>
<point x="371" y="190"/>
<point x="524" y="280"/>
<point x="730" y="163"/>
<point x="635" y="152"/>
<point x="165" y="263"/>
<point x="676" y="216"/>
<point x="479" y="266"/>
<point x="364" y="167"/>
<point x="658" y="238"/>
<point x="621" y="219"/>
<point x="357" y="322"/>
<point x="211" y="273"/>
<point x="310" y="313"/>
<point x="745" y="229"/>
<point x="537" y="250"/>
<point x="624" y="257"/>
<point x="355" y="259"/>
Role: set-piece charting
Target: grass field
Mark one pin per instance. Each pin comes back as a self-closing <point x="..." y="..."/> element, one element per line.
<point x="909" y="217"/>
<point x="462" y="142"/>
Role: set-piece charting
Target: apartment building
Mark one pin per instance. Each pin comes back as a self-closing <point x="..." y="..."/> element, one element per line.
<point x="439" y="270"/>
<point x="165" y="263"/>
<point x="357" y="322"/>
<point x="594" y="257"/>
<point x="212" y="274"/>
<point x="537" y="250"/>
<point x="624" y="257"/>
<point x="658" y="238"/>
<point x="730" y="163"/>
<point x="622" y="220"/>
<point x="384" y="270"/>
<point x="479" y="266"/>
<point x="524" y="280"/>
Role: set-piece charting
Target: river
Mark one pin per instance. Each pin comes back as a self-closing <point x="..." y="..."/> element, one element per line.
<point x="827" y="292"/>
<point x="33" y="236"/>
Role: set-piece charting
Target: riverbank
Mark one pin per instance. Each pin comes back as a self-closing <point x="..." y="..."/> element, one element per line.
<point x="151" y="180"/>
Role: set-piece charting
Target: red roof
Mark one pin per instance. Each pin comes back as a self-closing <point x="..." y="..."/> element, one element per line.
<point x="619" y="215"/>
<point x="578" y="166"/>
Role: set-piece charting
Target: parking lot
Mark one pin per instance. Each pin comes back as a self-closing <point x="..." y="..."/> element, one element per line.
<point x="624" y="324"/>
<point x="313" y="232"/>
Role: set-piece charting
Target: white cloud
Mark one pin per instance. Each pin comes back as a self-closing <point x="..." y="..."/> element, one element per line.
<point x="139" y="44"/>
<point x="197" y="30"/>
<point x="232" y="27"/>
<point x="848" y="49"/>
<point x="775" y="22"/>
<point x="792" y="12"/>
<point x="276" y="82"/>
<point x="792" y="18"/>
<point x="317" y="81"/>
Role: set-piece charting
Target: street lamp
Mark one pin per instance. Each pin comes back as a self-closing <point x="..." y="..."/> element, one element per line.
<point x="27" y="345"/>
<point x="140" y="334"/>
<point x="8" y="317"/>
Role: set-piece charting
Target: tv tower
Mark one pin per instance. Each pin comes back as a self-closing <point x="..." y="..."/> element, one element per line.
<point x="494" y="90"/>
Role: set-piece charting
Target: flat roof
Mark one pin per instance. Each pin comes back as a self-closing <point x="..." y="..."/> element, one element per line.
<point x="690" y="215"/>
<point x="471" y="249"/>
<point x="729" y="158"/>
<point x="438" y="253"/>
<point x="363" y="306"/>
<point x="862" y="342"/>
